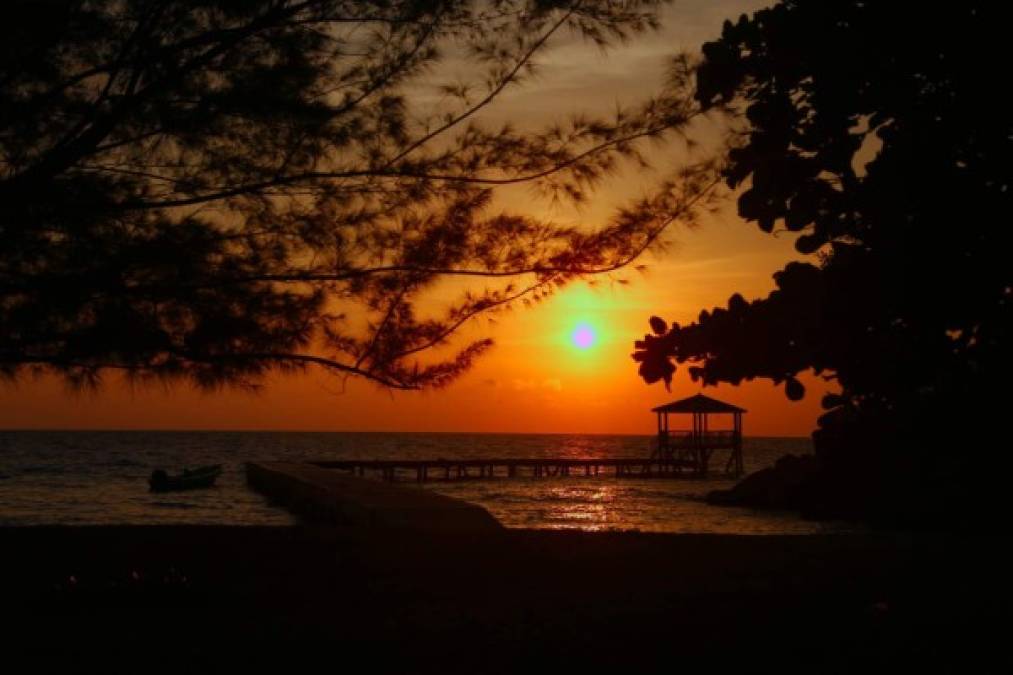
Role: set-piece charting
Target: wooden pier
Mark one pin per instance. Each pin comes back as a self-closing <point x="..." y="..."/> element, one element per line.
<point x="424" y="470"/>
<point x="677" y="454"/>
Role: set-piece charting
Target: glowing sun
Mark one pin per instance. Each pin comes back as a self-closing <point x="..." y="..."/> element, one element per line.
<point x="582" y="336"/>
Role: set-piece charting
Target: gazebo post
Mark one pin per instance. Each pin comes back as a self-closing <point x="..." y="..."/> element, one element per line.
<point x="662" y="437"/>
<point x="703" y="445"/>
<point x="738" y="444"/>
<point x="668" y="437"/>
<point x="664" y="442"/>
<point x="698" y="442"/>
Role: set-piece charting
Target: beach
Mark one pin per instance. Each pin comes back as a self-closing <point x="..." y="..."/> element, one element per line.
<point x="159" y="598"/>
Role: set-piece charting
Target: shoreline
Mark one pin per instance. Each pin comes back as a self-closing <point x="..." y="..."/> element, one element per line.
<point x="492" y="601"/>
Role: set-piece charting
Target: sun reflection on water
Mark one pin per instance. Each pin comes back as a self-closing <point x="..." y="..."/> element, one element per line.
<point x="588" y="507"/>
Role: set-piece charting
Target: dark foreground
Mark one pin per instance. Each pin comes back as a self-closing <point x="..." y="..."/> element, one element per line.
<point x="193" y="599"/>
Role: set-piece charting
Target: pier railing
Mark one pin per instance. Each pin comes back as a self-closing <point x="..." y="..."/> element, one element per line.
<point x="706" y="439"/>
<point x="423" y="470"/>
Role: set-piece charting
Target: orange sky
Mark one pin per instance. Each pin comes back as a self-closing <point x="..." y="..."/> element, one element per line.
<point x="534" y="380"/>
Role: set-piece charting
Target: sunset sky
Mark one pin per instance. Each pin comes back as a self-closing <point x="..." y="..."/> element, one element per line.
<point x="536" y="379"/>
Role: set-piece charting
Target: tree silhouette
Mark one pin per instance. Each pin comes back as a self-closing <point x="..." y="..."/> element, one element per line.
<point x="211" y="190"/>
<point x="867" y="128"/>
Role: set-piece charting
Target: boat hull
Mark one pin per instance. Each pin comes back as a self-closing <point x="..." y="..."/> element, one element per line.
<point x="204" y="477"/>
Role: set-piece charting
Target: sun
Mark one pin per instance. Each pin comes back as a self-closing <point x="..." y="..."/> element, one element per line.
<point x="583" y="336"/>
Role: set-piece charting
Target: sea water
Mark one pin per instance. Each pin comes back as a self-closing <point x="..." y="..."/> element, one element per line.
<point x="94" y="478"/>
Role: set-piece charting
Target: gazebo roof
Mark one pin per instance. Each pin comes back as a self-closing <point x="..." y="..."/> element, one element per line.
<point x="698" y="404"/>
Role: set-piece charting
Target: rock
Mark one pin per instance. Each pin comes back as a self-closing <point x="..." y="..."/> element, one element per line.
<point x="782" y="486"/>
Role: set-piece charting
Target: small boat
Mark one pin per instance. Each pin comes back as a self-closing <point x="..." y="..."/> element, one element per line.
<point x="203" y="477"/>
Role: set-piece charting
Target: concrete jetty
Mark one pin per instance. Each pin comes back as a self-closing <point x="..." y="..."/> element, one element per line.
<point x="330" y="496"/>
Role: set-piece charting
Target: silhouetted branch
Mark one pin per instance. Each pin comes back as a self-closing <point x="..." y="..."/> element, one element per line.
<point x="190" y="190"/>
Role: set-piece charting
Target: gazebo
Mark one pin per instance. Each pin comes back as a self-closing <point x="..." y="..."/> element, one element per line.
<point x="693" y="447"/>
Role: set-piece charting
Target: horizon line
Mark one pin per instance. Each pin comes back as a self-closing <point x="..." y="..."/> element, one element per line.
<point x="349" y="431"/>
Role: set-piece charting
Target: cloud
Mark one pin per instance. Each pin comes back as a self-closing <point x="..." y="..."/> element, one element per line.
<point x="550" y="384"/>
<point x="554" y="384"/>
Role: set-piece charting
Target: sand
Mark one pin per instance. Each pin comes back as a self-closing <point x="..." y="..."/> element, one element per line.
<point x="159" y="598"/>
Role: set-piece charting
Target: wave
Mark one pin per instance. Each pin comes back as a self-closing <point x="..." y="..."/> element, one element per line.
<point x="47" y="469"/>
<point x="124" y="462"/>
<point x="175" y="505"/>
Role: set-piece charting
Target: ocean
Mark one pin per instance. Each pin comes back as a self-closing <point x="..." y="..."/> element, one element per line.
<point x="100" y="478"/>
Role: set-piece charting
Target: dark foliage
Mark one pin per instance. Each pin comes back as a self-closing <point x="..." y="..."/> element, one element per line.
<point x="871" y="129"/>
<point x="211" y="190"/>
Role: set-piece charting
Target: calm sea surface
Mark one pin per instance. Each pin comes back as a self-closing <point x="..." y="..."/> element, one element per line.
<point x="78" y="478"/>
